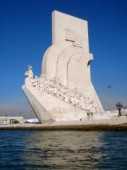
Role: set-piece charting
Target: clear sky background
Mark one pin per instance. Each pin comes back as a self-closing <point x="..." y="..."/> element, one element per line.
<point x="25" y="34"/>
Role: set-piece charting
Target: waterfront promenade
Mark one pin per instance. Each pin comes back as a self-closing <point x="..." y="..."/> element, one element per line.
<point x="116" y="124"/>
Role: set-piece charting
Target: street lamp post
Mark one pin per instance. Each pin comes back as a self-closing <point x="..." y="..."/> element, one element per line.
<point x="119" y="107"/>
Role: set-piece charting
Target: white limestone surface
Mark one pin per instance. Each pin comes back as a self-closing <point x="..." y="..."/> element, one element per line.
<point x="64" y="91"/>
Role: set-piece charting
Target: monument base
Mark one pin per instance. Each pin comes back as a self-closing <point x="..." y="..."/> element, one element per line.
<point x="50" y="109"/>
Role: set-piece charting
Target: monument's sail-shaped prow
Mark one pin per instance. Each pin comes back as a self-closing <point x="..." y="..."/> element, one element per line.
<point x="64" y="92"/>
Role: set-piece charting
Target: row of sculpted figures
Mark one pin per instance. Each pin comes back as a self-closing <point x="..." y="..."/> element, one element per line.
<point x="82" y="101"/>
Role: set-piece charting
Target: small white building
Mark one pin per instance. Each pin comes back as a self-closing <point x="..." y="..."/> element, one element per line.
<point x="10" y="120"/>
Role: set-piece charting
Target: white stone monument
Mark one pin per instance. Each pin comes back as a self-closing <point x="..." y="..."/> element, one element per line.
<point x="64" y="91"/>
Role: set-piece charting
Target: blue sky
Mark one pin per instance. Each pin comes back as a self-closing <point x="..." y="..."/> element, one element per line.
<point x="25" y="34"/>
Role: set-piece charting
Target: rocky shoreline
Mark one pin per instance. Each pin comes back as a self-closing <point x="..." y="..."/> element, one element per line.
<point x="118" y="124"/>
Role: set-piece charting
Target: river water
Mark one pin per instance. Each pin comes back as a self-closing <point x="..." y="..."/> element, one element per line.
<point x="56" y="150"/>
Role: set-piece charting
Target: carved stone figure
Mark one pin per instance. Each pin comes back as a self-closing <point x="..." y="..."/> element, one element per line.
<point x="29" y="73"/>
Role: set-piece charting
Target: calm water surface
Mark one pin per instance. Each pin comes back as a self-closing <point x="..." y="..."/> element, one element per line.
<point x="27" y="150"/>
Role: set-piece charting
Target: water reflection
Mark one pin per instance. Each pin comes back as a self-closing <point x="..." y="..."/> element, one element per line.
<point x="63" y="150"/>
<point x="27" y="150"/>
